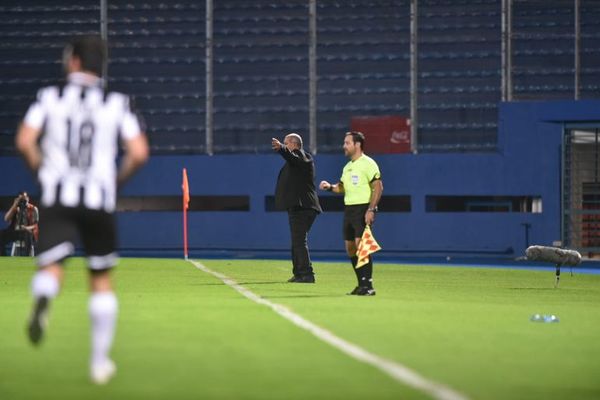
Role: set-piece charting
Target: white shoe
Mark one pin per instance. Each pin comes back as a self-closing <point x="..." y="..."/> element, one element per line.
<point x="102" y="372"/>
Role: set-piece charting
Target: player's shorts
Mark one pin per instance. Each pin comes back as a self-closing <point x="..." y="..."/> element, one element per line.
<point x="354" y="221"/>
<point x="60" y="227"/>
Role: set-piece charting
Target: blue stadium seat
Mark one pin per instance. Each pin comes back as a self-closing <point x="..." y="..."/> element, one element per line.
<point x="261" y="64"/>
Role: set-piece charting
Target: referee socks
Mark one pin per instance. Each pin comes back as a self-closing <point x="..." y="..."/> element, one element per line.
<point x="358" y="272"/>
<point x="366" y="278"/>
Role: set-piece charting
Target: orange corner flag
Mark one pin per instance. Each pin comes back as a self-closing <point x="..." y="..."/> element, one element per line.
<point x="186" y="190"/>
<point x="366" y="247"/>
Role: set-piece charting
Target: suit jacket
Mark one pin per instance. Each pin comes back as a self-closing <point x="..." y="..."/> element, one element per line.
<point x="296" y="181"/>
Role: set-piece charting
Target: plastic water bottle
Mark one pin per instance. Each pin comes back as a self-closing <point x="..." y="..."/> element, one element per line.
<point x="548" y="318"/>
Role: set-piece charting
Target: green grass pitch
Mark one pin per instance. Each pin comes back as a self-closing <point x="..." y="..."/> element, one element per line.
<point x="184" y="334"/>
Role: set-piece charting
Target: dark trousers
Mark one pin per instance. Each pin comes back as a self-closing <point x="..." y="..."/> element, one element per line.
<point x="10" y="235"/>
<point x="301" y="219"/>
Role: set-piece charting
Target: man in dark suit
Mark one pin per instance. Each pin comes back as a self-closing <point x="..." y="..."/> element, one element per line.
<point x="296" y="194"/>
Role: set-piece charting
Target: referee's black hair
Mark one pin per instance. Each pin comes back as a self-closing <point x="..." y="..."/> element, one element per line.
<point x="90" y="50"/>
<point x="357" y="137"/>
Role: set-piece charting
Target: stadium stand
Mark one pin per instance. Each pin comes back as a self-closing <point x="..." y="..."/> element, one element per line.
<point x="261" y="65"/>
<point x="32" y="38"/>
<point x="157" y="55"/>
<point x="460" y="50"/>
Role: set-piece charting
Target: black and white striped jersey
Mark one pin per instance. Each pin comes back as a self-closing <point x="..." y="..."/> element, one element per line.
<point x="82" y="125"/>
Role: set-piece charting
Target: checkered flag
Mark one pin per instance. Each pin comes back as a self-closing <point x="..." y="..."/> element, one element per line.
<point x="367" y="246"/>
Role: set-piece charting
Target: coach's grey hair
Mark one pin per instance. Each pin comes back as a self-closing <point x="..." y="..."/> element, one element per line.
<point x="296" y="138"/>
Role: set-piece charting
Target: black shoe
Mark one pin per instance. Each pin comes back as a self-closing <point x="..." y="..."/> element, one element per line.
<point x="354" y="291"/>
<point x="362" y="291"/>
<point x="302" y="279"/>
<point x="365" y="291"/>
<point x="38" y="321"/>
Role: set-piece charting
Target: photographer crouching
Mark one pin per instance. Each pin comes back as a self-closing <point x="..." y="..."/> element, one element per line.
<point x="23" y="218"/>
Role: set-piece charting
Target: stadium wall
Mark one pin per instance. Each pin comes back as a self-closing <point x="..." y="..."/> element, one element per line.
<point x="526" y="164"/>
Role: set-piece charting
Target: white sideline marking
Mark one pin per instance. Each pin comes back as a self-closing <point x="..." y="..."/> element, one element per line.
<point x="396" y="370"/>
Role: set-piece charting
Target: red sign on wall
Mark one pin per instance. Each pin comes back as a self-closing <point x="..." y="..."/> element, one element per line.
<point x="384" y="134"/>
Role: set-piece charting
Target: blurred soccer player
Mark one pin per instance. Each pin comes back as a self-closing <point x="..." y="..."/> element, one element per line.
<point x="362" y="188"/>
<point x="78" y="126"/>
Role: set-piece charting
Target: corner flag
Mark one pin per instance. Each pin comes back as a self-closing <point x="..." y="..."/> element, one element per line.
<point x="366" y="247"/>
<point x="186" y="190"/>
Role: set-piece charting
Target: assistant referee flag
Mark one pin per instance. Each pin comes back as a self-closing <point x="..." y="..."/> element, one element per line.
<point x="367" y="246"/>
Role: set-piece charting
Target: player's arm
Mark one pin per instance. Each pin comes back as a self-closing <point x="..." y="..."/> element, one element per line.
<point x="26" y="142"/>
<point x="136" y="155"/>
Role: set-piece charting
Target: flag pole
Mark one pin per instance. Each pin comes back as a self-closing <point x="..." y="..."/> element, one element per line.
<point x="186" y="199"/>
<point x="185" y="240"/>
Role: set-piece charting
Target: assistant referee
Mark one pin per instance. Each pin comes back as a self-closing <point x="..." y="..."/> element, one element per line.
<point x="362" y="188"/>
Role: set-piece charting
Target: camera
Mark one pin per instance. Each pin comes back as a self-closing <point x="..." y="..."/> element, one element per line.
<point x="21" y="216"/>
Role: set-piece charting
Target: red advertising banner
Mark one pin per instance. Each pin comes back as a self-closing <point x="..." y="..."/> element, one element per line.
<point x="384" y="134"/>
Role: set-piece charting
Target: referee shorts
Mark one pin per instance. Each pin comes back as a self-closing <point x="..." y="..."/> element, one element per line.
<point x="354" y="221"/>
<point x="60" y="227"/>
